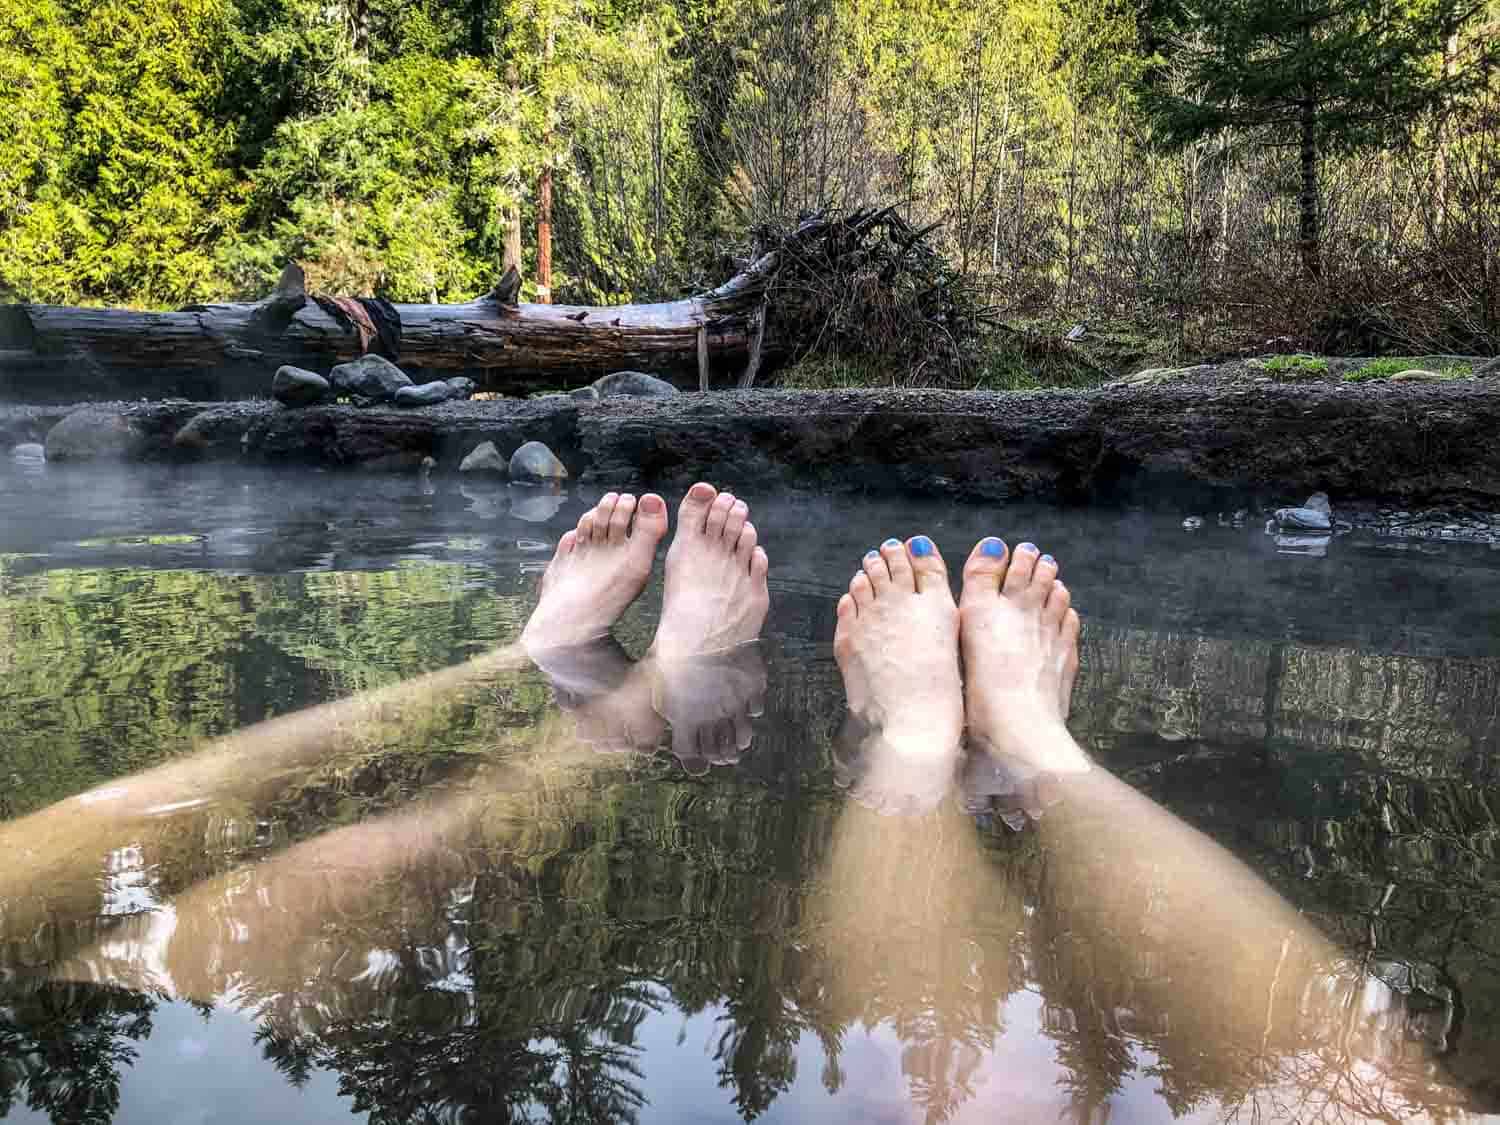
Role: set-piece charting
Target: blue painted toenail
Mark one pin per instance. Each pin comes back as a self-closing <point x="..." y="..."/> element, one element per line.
<point x="1027" y="547"/>
<point x="872" y="553"/>
<point x="1048" y="559"/>
<point x="891" y="543"/>
<point x="921" y="546"/>
<point x="992" y="547"/>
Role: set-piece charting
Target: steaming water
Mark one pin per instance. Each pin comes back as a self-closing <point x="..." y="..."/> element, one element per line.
<point x="606" y="937"/>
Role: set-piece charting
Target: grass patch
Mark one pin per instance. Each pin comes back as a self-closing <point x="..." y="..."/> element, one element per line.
<point x="1387" y="366"/>
<point x="1296" y="366"/>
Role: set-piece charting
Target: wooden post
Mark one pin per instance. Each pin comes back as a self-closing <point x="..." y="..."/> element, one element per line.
<point x="703" y="356"/>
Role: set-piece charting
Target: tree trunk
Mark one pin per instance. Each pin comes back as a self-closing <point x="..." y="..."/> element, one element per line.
<point x="1307" y="199"/>
<point x="56" y="353"/>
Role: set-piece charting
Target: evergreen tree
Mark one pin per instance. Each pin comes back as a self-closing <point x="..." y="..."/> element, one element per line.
<point x="1335" y="74"/>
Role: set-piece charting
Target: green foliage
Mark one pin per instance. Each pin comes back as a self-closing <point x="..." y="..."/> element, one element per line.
<point x="1385" y="367"/>
<point x="1296" y="366"/>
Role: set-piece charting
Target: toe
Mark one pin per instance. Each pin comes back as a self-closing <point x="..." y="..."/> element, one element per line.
<point x="1043" y="577"/>
<point x="619" y="520"/>
<point x="586" y="524"/>
<point x="650" y="519"/>
<point x="1018" y="573"/>
<point x="862" y="591"/>
<point x="744" y="733"/>
<point x="985" y="568"/>
<point x="739" y="512"/>
<point x="566" y="544"/>
<point x="1057" y="604"/>
<point x="693" y="514"/>
<point x="744" y="547"/>
<point x="760" y="564"/>
<point x="927" y="565"/>
<point x="718" y="515"/>
<point x="846" y="611"/>
<point x="878" y="568"/>
<point x="603" y="511"/>
<point x="893" y="551"/>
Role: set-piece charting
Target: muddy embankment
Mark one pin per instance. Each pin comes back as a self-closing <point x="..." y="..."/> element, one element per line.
<point x="1227" y="445"/>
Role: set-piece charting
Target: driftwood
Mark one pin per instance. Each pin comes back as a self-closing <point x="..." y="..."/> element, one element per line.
<point x="846" y="281"/>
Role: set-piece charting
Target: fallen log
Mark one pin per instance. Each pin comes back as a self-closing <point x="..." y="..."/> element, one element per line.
<point x="862" y="280"/>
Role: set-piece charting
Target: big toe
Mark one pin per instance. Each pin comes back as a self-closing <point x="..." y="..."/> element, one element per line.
<point x="693" y="514"/>
<point x="927" y="565"/>
<point x="985" y="568"/>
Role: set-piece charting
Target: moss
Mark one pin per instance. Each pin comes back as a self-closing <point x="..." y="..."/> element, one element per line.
<point x="1387" y="366"/>
<point x="1296" y="366"/>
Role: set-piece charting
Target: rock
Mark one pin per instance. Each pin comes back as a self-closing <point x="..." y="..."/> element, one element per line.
<point x="535" y="462"/>
<point x="428" y="394"/>
<point x="94" y="433"/>
<point x="1418" y="375"/>
<point x="1318" y="502"/>
<point x="463" y="388"/>
<point x="585" y="394"/>
<point x="29" y="452"/>
<point x="294" y="386"/>
<point x="369" y="376"/>
<point x="1490" y="370"/>
<point x="484" y="458"/>
<point x="535" y="504"/>
<point x="636" y="384"/>
<point x="1192" y="523"/>
<point x="218" y="431"/>
<point x="1303" y="519"/>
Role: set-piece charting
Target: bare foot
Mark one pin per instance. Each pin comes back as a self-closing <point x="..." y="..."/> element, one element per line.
<point x="1019" y="635"/>
<point x="897" y="647"/>
<point x="598" y="570"/>
<point x="715" y="596"/>
<point x="709" y="704"/>
<point x="609" y="698"/>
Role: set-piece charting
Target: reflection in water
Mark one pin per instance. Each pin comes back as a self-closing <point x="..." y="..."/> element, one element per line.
<point x="465" y="911"/>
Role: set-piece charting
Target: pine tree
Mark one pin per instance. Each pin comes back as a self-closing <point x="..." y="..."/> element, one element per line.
<point x="1334" y="74"/>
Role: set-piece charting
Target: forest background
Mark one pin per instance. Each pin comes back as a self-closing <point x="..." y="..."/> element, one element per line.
<point x="1181" y="180"/>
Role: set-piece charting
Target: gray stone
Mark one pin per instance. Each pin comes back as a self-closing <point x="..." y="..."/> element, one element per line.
<point x="29" y="451"/>
<point x="369" y="376"/>
<point x="1418" y="375"/>
<point x="428" y="394"/>
<point x="462" y="387"/>
<point x="636" y="384"/>
<point x="534" y="461"/>
<point x="218" y="431"/>
<point x="1318" y="502"/>
<point x="1303" y="519"/>
<point x="1192" y="523"/>
<point x="94" y="433"/>
<point x="1490" y="370"/>
<point x="294" y="386"/>
<point x="585" y="394"/>
<point x="484" y="458"/>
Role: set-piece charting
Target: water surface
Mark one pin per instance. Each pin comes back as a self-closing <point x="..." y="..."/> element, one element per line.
<point x="541" y="932"/>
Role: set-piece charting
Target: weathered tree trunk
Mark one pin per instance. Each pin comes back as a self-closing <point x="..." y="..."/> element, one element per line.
<point x="59" y="353"/>
<point x="1308" y="238"/>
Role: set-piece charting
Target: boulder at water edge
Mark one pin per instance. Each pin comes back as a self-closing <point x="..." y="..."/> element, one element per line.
<point x="1318" y="502"/>
<point x="1303" y="519"/>
<point x="428" y="394"/>
<point x="294" y="386"/>
<point x="535" y="462"/>
<point x="636" y="384"/>
<point x="585" y="394"/>
<point x="461" y="387"/>
<point x="484" y="458"/>
<point x="218" y="431"/>
<point x="94" y="434"/>
<point x="370" y="376"/>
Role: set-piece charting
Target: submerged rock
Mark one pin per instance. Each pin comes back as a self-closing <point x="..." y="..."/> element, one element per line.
<point x="369" y="376"/>
<point x="636" y="384"/>
<point x="94" y="433"/>
<point x="428" y="394"/>
<point x="1303" y="519"/>
<point x="295" y="386"/>
<point x="484" y="458"/>
<point x="462" y="387"/>
<point x="535" y="462"/>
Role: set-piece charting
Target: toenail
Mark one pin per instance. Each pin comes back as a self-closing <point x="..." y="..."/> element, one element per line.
<point x="1049" y="559"/>
<point x="993" y="547"/>
<point x="921" y="546"/>
<point x="891" y="543"/>
<point x="1027" y="547"/>
<point x="872" y="553"/>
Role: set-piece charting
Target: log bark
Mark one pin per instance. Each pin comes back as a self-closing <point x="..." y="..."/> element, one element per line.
<point x="51" y="353"/>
